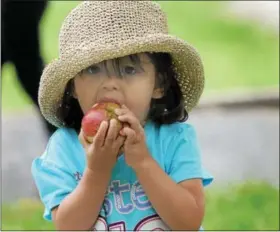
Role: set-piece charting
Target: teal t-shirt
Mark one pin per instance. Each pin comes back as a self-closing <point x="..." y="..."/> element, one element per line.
<point x="126" y="207"/>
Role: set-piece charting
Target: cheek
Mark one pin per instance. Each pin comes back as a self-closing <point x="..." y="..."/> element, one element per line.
<point x="138" y="100"/>
<point x="85" y="93"/>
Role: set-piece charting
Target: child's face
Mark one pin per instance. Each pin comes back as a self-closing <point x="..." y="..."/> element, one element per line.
<point x="135" y="87"/>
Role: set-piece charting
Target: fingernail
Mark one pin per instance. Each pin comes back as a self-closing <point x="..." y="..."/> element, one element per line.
<point x="104" y="123"/>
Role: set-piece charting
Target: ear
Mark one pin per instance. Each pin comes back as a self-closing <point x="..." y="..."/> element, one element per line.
<point x="158" y="93"/>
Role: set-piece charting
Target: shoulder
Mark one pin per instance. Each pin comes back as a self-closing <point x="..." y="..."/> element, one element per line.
<point x="178" y="130"/>
<point x="169" y="132"/>
<point x="164" y="140"/>
<point x="62" y="146"/>
<point x="63" y="135"/>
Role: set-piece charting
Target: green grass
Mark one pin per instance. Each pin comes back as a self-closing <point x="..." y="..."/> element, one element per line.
<point x="236" y="54"/>
<point x="248" y="206"/>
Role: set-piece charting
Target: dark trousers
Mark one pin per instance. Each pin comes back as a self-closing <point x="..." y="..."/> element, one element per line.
<point x="20" y="43"/>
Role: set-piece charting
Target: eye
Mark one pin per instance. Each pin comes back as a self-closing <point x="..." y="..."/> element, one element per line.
<point x="129" y="70"/>
<point x="94" y="69"/>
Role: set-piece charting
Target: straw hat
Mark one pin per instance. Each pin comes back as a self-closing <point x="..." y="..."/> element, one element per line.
<point x="100" y="30"/>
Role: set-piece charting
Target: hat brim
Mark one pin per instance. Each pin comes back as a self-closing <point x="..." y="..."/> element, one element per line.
<point x="186" y="60"/>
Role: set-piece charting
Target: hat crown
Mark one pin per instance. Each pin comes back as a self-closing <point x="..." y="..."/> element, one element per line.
<point x="110" y="22"/>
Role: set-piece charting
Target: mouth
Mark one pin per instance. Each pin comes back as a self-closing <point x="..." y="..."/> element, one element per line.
<point x="107" y="99"/>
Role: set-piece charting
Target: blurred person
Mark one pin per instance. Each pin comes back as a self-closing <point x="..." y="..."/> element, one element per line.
<point x="148" y="175"/>
<point x="20" y="44"/>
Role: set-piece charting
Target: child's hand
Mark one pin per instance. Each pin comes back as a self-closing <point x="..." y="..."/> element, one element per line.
<point x="135" y="149"/>
<point x="102" y="153"/>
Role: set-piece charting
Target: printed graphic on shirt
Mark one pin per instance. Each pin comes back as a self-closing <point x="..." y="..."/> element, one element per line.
<point x="77" y="176"/>
<point x="130" y="201"/>
<point x="137" y="198"/>
<point x="150" y="223"/>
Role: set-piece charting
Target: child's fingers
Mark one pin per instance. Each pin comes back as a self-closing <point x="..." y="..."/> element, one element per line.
<point x="120" y="141"/>
<point x="112" y="132"/>
<point x="101" y="134"/>
<point x="82" y="139"/>
<point x="125" y="115"/>
<point x="124" y="107"/>
<point x="131" y="120"/>
<point x="124" y="126"/>
<point x="120" y="111"/>
<point x="130" y="135"/>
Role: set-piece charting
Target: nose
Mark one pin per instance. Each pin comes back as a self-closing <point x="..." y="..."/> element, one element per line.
<point x="111" y="83"/>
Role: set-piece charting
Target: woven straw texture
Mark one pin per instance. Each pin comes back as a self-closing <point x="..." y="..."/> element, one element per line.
<point x="100" y="30"/>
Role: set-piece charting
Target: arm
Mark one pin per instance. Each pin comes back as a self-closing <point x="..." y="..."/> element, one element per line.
<point x="74" y="206"/>
<point x="80" y="209"/>
<point x="181" y="206"/>
<point x="177" y="195"/>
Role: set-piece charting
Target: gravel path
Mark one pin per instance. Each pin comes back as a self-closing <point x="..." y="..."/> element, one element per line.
<point x="236" y="145"/>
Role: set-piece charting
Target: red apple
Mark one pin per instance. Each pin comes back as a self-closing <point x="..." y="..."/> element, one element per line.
<point x="103" y="111"/>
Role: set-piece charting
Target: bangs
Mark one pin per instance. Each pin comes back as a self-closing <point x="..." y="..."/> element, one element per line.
<point x="116" y="64"/>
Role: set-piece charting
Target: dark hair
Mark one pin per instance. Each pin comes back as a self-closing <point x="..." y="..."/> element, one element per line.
<point x="166" y="110"/>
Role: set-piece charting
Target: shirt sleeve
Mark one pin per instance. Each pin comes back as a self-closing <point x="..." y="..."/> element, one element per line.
<point x="53" y="178"/>
<point x="185" y="162"/>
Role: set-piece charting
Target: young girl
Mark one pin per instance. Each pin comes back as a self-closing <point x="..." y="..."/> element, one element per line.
<point x="148" y="176"/>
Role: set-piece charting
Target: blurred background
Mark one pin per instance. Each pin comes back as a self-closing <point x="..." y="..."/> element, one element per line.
<point x="237" y="120"/>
